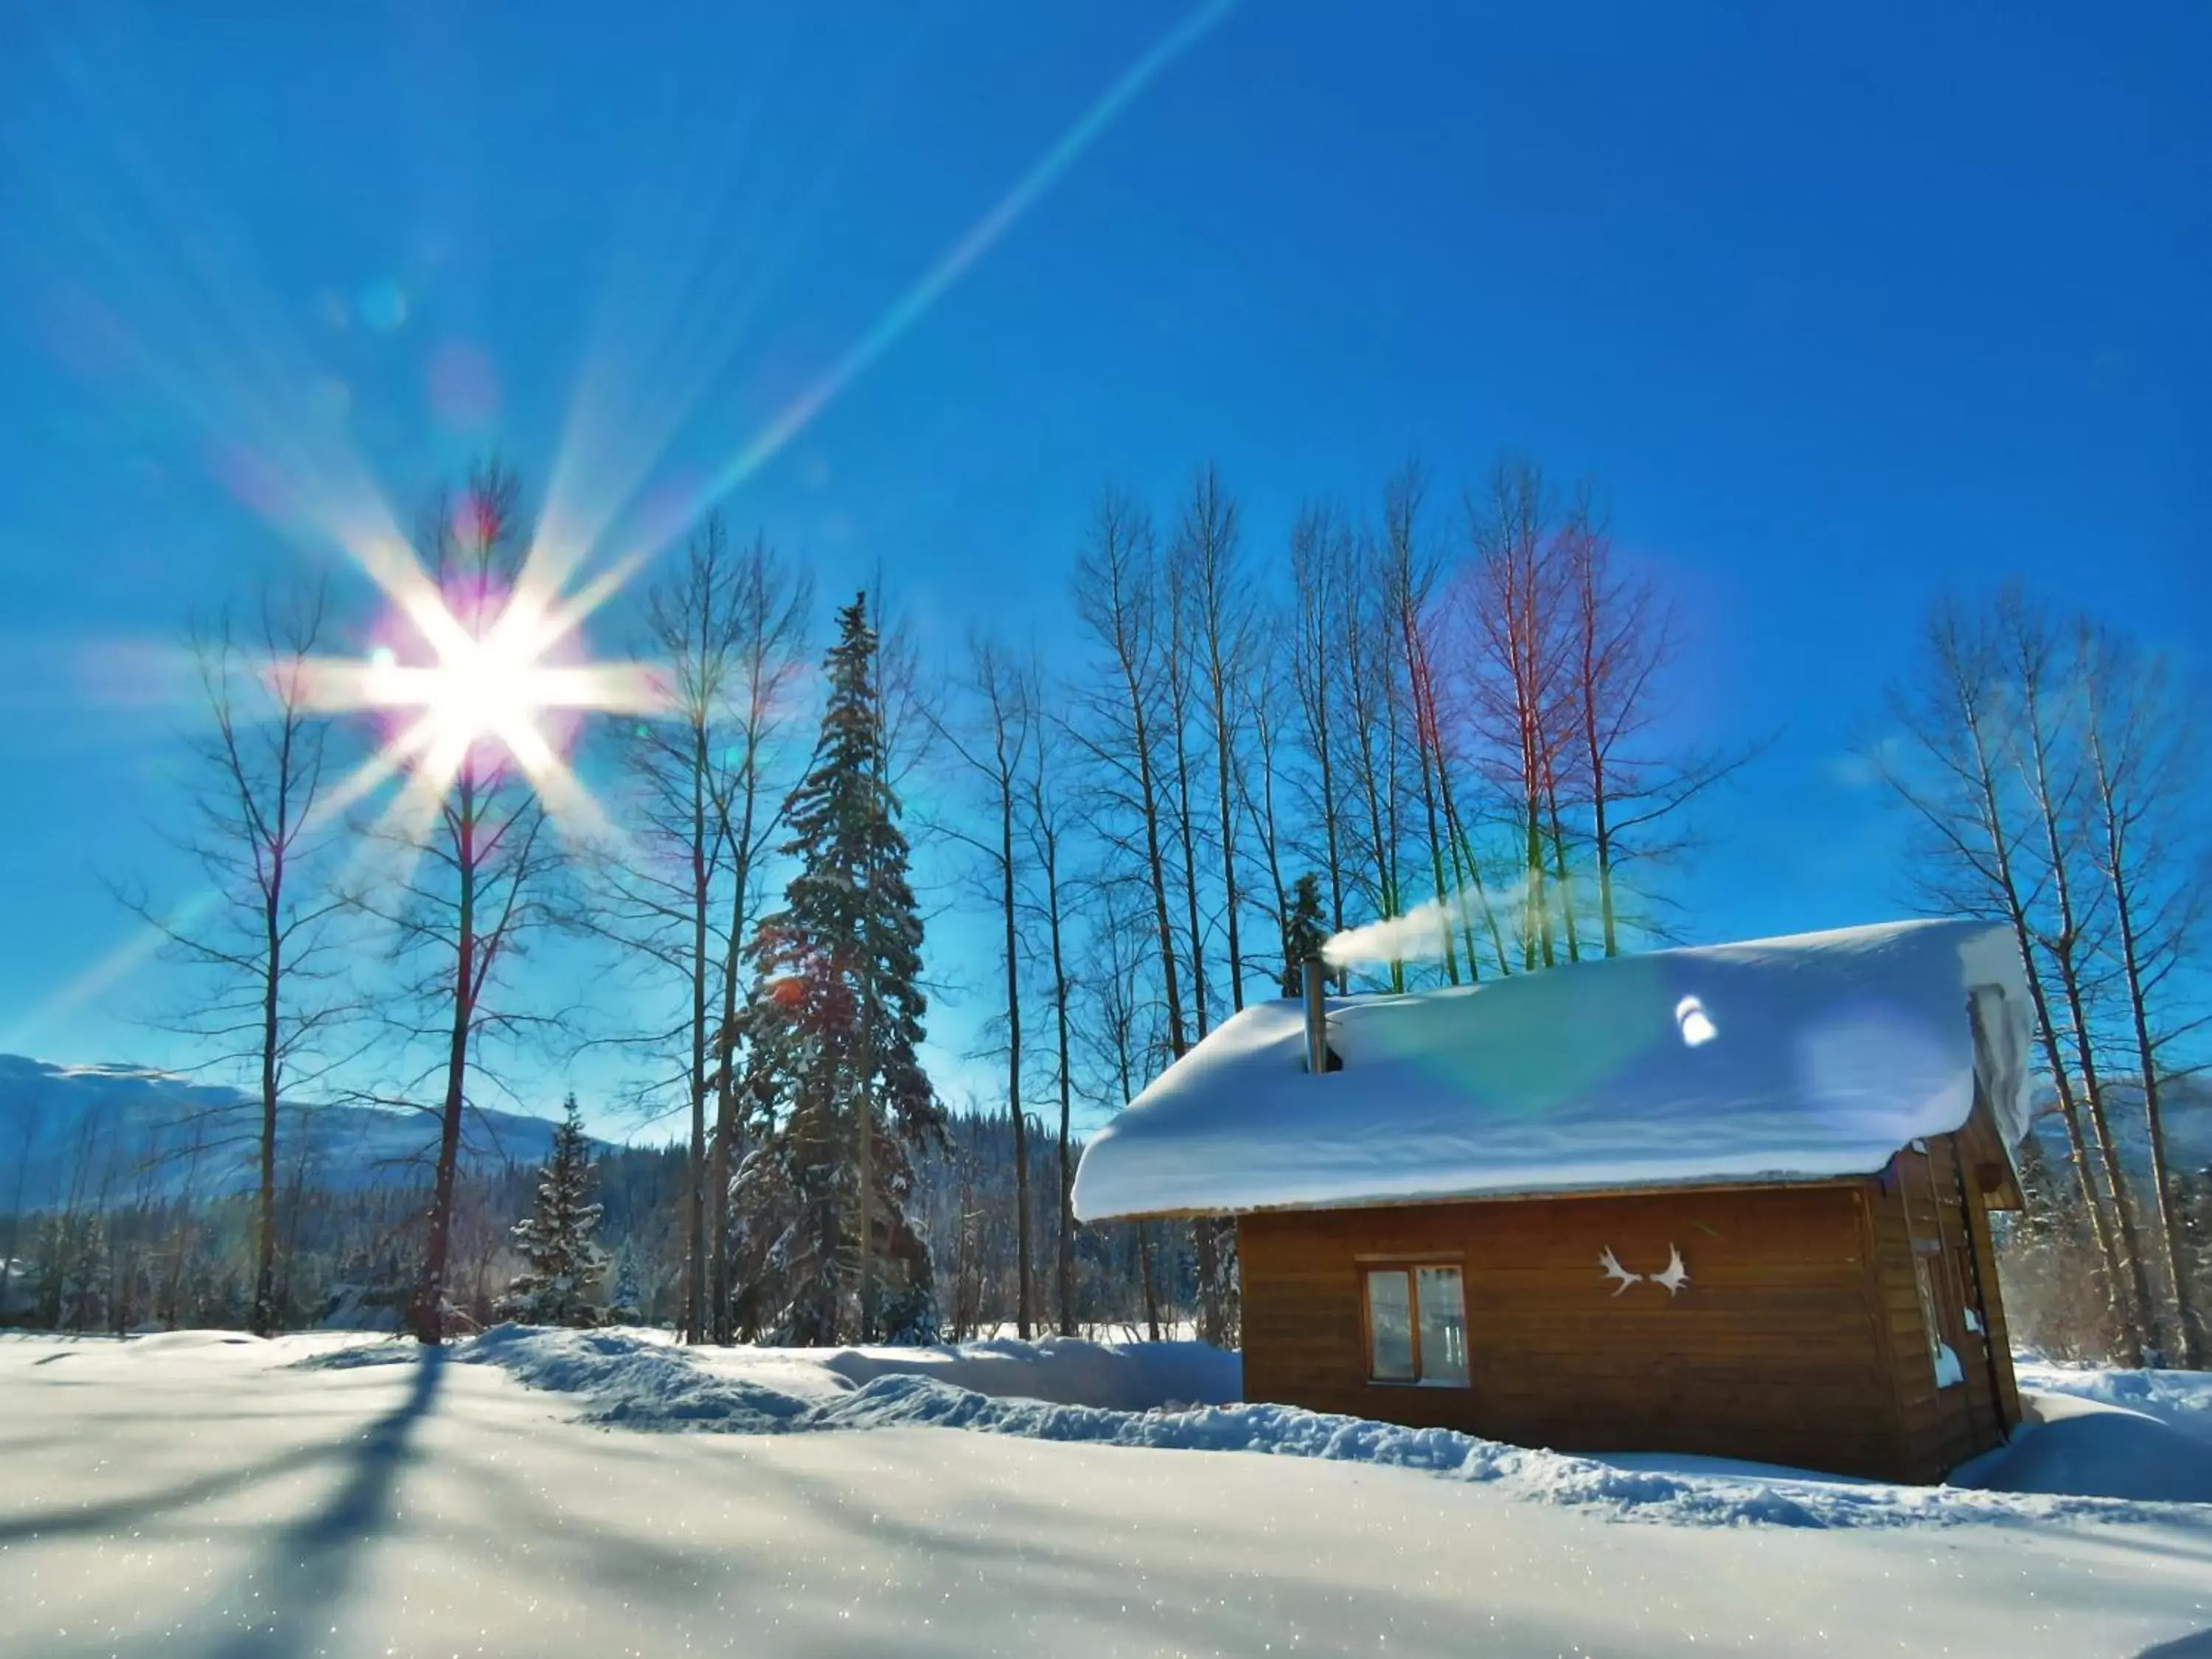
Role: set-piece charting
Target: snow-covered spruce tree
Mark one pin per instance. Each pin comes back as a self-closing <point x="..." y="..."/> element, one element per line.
<point x="566" y="1266"/>
<point x="626" y="1302"/>
<point x="826" y="1244"/>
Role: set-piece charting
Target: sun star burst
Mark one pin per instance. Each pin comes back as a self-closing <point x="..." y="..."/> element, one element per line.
<point x="477" y="699"/>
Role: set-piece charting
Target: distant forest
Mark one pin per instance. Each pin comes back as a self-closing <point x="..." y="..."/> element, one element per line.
<point x="347" y="1256"/>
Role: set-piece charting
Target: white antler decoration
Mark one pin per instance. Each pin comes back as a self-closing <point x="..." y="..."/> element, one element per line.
<point x="1609" y="1264"/>
<point x="1674" y="1275"/>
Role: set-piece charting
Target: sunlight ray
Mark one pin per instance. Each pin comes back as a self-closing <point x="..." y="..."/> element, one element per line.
<point x="710" y="229"/>
<point x="919" y="299"/>
<point x="177" y="293"/>
<point x="575" y="813"/>
<point x="138" y="947"/>
<point x="955" y="263"/>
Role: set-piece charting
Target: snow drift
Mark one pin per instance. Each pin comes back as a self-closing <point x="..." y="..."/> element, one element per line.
<point x="2083" y="1460"/>
<point x="2077" y="1446"/>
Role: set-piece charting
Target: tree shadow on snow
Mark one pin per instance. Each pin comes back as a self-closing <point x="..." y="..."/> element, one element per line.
<point x="139" y="1510"/>
<point x="2198" y="1646"/>
<point x="310" y="1563"/>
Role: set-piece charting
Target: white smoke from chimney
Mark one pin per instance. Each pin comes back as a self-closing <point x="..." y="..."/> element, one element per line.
<point x="1419" y="935"/>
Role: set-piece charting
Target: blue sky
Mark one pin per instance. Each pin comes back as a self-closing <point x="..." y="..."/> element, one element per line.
<point x="1837" y="306"/>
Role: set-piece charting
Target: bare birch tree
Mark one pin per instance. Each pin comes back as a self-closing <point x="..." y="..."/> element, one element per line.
<point x="1121" y="1031"/>
<point x="1518" y="648"/>
<point x="2051" y="762"/>
<point x="1623" y="641"/>
<point x="659" y="887"/>
<point x="1266" y="696"/>
<point x="1181" y="680"/>
<point x="261" y="835"/>
<point x="1119" y="711"/>
<point x="992" y="736"/>
<point x="769" y="603"/>
<point x="1207" y="548"/>
<point x="1947" y="764"/>
<point x="1409" y="576"/>
<point x="1372" y="700"/>
<point x="1049" y="824"/>
<point x="478" y="857"/>
<point x="2144" y="786"/>
<point x="1320" y="587"/>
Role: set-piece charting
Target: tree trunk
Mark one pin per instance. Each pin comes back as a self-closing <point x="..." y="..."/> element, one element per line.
<point x="1066" y="1111"/>
<point x="1560" y="868"/>
<point x="2132" y="1299"/>
<point x="1157" y="867"/>
<point x="1593" y="747"/>
<point x="265" y="1201"/>
<point x="1014" y="1056"/>
<point x="865" y="1110"/>
<point x="2191" y="1333"/>
<point x="1145" y="1273"/>
<point x="1461" y="847"/>
<point x="2117" y="779"/>
<point x="1269" y="830"/>
<point x="426" y="1319"/>
<point x="1423" y="726"/>
<point x="1231" y="898"/>
<point x="694" y="1219"/>
<point x="726" y="1104"/>
<point x="1601" y="851"/>
<point x="1186" y="833"/>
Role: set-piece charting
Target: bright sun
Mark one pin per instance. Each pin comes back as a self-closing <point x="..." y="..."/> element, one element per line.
<point x="482" y="700"/>
<point x="477" y="691"/>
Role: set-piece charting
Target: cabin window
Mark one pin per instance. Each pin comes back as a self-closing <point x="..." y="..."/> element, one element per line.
<point x="1417" y="1325"/>
<point x="1940" y="1354"/>
<point x="1931" y="1324"/>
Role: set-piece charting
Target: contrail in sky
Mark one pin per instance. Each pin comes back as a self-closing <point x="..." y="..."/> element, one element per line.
<point x="916" y="303"/>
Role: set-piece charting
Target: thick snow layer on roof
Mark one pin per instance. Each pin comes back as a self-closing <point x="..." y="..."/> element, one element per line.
<point x="1800" y="1058"/>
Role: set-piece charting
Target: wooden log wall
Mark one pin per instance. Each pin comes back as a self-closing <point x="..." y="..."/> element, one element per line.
<point x="1780" y="1347"/>
<point x="1929" y="1207"/>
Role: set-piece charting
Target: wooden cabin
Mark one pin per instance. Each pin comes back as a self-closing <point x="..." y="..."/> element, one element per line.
<point x="1731" y="1201"/>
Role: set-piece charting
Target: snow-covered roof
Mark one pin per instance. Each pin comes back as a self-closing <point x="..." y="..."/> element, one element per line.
<point x="1802" y="1058"/>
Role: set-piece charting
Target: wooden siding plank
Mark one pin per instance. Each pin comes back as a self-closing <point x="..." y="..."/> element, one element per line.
<point x="1777" y="1348"/>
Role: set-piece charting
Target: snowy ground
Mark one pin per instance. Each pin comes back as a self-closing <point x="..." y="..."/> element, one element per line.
<point x="206" y="1494"/>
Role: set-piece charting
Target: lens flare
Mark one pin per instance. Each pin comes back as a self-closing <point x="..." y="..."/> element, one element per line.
<point x="480" y="698"/>
<point x="1695" y="1025"/>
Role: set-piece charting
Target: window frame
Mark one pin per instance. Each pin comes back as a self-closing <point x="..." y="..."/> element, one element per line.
<point x="1932" y="1270"/>
<point x="1410" y="1269"/>
<point x="1938" y="1276"/>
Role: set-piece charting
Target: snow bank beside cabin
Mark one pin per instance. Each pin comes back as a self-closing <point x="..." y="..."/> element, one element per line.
<point x="1788" y="1059"/>
<point x="627" y="1379"/>
<point x="2182" y="1399"/>
<point x="631" y="1378"/>
<point x="2070" y="1444"/>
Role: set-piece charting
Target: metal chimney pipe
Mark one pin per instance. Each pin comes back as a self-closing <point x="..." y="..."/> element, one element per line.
<point x="1316" y="1019"/>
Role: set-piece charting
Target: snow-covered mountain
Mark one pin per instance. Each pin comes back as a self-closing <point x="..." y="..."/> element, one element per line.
<point x="2185" y="1105"/>
<point x="130" y="1130"/>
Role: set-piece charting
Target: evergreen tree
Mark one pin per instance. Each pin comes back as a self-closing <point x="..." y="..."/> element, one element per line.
<point x="626" y="1306"/>
<point x="1303" y="934"/>
<point x="49" y="1247"/>
<point x="565" y="1265"/>
<point x="841" y="1104"/>
<point x="84" y="1281"/>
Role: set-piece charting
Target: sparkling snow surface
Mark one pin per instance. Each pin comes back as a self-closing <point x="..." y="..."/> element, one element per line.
<point x="1815" y="1055"/>
<point x="207" y="1494"/>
